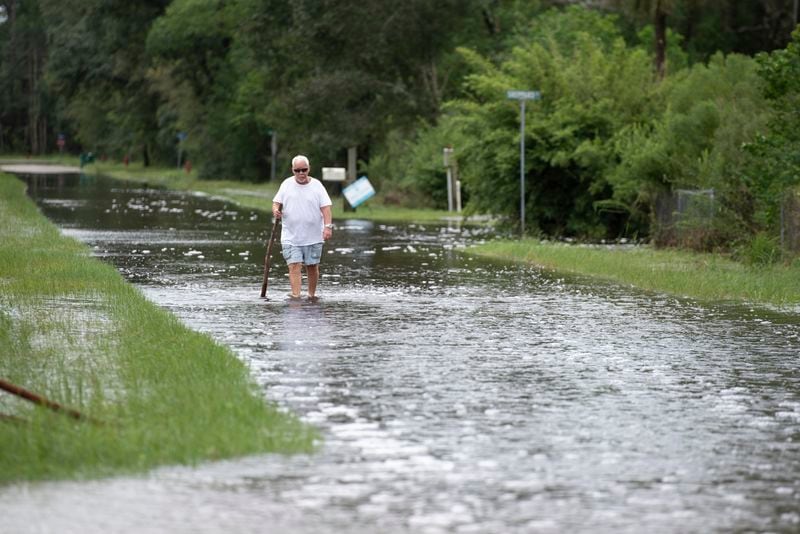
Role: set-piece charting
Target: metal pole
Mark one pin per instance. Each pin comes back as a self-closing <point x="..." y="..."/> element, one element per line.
<point x="522" y="166"/>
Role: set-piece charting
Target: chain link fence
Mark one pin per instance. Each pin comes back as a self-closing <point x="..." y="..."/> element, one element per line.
<point x="685" y="217"/>
<point x="691" y="218"/>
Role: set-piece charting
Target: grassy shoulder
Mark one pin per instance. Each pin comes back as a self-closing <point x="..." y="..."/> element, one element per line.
<point x="73" y="330"/>
<point x="707" y="277"/>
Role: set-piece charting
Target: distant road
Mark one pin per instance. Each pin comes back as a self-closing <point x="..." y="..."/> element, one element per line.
<point x="38" y="168"/>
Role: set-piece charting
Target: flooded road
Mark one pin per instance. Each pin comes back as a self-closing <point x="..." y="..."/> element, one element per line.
<point x="454" y="394"/>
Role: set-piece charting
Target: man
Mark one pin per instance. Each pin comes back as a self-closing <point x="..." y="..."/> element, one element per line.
<point x="305" y="209"/>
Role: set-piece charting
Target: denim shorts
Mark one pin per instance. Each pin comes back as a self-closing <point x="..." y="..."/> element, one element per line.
<point x="305" y="254"/>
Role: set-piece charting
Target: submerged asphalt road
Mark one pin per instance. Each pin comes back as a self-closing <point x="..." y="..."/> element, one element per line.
<point x="454" y="394"/>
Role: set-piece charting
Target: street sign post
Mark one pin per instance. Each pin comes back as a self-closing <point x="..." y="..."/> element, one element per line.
<point x="448" y="155"/>
<point x="522" y="96"/>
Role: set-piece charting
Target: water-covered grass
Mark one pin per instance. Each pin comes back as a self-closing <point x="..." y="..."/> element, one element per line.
<point x="257" y="196"/>
<point x="249" y="195"/>
<point x="73" y="330"/>
<point x="701" y="276"/>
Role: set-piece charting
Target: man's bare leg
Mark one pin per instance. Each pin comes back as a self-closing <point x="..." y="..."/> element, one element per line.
<point x="295" y="278"/>
<point x="312" y="271"/>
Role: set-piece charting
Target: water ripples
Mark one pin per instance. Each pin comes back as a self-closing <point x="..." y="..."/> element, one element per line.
<point x="456" y="394"/>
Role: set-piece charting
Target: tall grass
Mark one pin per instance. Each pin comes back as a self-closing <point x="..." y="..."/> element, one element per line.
<point x="702" y="276"/>
<point x="74" y="331"/>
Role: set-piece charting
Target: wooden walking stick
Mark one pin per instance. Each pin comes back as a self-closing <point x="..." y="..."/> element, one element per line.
<point x="267" y="258"/>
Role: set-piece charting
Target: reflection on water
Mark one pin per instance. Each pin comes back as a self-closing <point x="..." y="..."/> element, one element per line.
<point x="454" y="394"/>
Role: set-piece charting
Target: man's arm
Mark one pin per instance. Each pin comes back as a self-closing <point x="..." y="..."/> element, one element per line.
<point x="276" y="209"/>
<point x="327" y="218"/>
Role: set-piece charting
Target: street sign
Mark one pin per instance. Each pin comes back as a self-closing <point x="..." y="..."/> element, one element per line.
<point x="334" y="174"/>
<point x="359" y="191"/>
<point x="524" y="95"/>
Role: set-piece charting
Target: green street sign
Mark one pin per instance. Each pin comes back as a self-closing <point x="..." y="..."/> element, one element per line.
<point x="524" y="95"/>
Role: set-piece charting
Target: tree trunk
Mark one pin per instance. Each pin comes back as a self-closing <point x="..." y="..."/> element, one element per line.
<point x="796" y="12"/>
<point x="33" y="115"/>
<point x="37" y="122"/>
<point x="661" y="39"/>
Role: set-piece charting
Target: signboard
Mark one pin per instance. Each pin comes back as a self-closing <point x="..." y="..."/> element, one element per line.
<point x="334" y="174"/>
<point x="524" y="95"/>
<point x="359" y="191"/>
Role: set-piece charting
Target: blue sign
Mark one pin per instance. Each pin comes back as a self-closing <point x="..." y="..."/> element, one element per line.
<point x="358" y="192"/>
<point x="182" y="136"/>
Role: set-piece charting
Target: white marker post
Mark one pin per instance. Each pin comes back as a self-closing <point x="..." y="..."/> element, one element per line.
<point x="448" y="154"/>
<point x="522" y="96"/>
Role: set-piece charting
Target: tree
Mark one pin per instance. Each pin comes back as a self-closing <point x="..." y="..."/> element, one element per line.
<point x="657" y="12"/>
<point x="775" y="164"/>
<point x="97" y="68"/>
<point x="23" y="94"/>
<point x="711" y="26"/>
<point x="592" y="85"/>
<point x="694" y="142"/>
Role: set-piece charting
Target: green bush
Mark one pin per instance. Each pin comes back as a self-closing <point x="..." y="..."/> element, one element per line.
<point x="761" y="250"/>
<point x="592" y="85"/>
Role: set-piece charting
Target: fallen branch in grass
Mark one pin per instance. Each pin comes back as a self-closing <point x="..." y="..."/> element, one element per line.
<point x="42" y="401"/>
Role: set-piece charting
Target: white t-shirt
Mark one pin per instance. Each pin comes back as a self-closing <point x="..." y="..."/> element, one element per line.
<point x="301" y="218"/>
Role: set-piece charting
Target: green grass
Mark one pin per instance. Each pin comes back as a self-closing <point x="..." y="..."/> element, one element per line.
<point x="709" y="277"/>
<point x="74" y="331"/>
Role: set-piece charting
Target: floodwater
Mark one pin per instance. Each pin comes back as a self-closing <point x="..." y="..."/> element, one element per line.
<point x="454" y="394"/>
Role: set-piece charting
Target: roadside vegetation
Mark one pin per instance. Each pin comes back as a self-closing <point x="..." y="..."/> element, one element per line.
<point x="665" y="120"/>
<point x="72" y="330"/>
<point x="703" y="276"/>
<point x="755" y="273"/>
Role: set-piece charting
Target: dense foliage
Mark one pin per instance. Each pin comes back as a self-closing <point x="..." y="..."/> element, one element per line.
<point x="641" y="99"/>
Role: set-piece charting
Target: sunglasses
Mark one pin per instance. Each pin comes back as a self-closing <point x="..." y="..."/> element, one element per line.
<point x="304" y="169"/>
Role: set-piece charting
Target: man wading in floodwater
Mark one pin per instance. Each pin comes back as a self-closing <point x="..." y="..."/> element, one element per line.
<point x="305" y="209"/>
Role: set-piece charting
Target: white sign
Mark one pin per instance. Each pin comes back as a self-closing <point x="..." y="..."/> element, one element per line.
<point x="359" y="191"/>
<point x="334" y="174"/>
<point x="524" y="95"/>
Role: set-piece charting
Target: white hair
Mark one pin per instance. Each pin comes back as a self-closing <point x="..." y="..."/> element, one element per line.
<point x="299" y="158"/>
